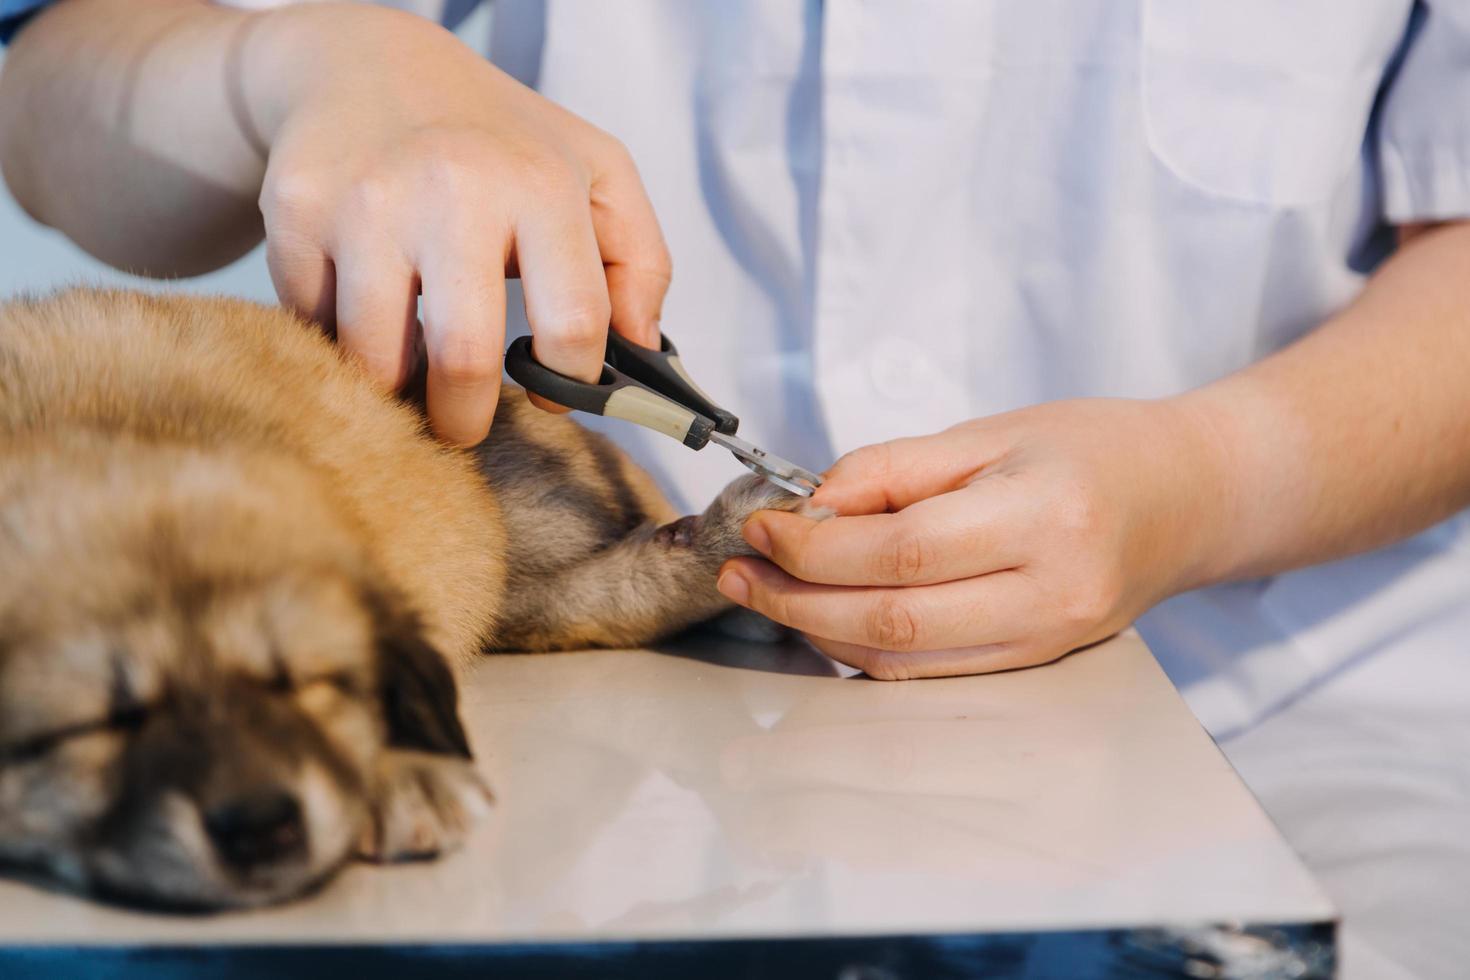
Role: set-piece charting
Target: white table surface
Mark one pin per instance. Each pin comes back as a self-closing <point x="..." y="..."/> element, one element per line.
<point x="725" y="790"/>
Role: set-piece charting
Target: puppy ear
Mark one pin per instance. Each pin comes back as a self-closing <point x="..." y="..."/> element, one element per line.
<point x="420" y="696"/>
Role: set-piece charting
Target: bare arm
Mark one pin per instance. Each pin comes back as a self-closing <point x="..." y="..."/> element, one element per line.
<point x="1359" y="433"/>
<point x="122" y="125"/>
<point x="380" y="158"/>
<point x="1007" y="541"/>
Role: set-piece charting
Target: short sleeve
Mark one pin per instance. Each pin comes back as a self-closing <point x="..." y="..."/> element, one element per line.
<point x="14" y="13"/>
<point x="1424" y="126"/>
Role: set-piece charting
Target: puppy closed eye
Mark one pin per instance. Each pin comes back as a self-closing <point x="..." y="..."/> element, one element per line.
<point x="32" y="748"/>
<point x="282" y="680"/>
<point x="345" y="682"/>
<point x="330" y="691"/>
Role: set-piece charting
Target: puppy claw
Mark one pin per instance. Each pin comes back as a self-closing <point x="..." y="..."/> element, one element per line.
<point x="424" y="805"/>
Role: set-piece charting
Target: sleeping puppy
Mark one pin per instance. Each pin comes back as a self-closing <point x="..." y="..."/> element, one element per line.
<point x="236" y="581"/>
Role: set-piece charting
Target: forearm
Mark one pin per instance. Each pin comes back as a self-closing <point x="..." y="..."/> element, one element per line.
<point x="118" y="126"/>
<point x="142" y="128"/>
<point x="1353" y="437"/>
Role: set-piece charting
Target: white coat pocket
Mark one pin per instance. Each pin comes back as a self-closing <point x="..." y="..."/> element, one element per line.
<point x="1263" y="101"/>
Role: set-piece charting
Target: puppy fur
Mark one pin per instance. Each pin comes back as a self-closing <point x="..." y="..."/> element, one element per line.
<point x="236" y="580"/>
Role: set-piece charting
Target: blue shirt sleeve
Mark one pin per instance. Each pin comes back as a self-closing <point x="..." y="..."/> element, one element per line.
<point x="14" y="13"/>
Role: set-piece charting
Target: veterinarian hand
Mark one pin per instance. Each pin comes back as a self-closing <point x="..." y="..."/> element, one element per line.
<point x="1002" y="542"/>
<point x="378" y="155"/>
<point x="1008" y="541"/>
<point x="411" y="162"/>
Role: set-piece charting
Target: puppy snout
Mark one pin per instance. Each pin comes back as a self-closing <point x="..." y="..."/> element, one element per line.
<point x="261" y="828"/>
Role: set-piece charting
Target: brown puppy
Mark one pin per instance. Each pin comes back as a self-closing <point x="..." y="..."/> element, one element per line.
<point x="235" y="579"/>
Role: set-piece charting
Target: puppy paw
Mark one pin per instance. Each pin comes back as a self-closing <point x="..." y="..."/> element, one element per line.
<point x="716" y="532"/>
<point x="677" y="534"/>
<point x="747" y="494"/>
<point x="423" y="805"/>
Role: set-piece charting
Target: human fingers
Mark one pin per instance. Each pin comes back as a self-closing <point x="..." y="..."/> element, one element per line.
<point x="889" y="476"/>
<point x="634" y="257"/>
<point x="988" y="609"/>
<point x="377" y="309"/>
<point x="464" y="338"/>
<point x="304" y="278"/>
<point x="565" y="288"/>
<point x="952" y="536"/>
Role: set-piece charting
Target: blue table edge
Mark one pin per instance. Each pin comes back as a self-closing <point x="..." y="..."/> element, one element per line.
<point x="1302" y="951"/>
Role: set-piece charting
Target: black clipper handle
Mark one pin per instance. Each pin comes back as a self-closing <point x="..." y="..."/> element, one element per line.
<point x="616" y="395"/>
<point x="662" y="371"/>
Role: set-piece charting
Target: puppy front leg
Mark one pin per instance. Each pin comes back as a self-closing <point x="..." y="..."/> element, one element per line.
<point x="424" y="792"/>
<point x="646" y="586"/>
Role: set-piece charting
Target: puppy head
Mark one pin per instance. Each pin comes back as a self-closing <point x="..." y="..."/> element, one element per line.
<point x="197" y="680"/>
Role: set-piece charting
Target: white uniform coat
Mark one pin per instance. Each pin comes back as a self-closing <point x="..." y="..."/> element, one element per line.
<point x="889" y="217"/>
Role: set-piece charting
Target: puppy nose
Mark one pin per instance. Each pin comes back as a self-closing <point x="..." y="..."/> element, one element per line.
<point x="258" y="829"/>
